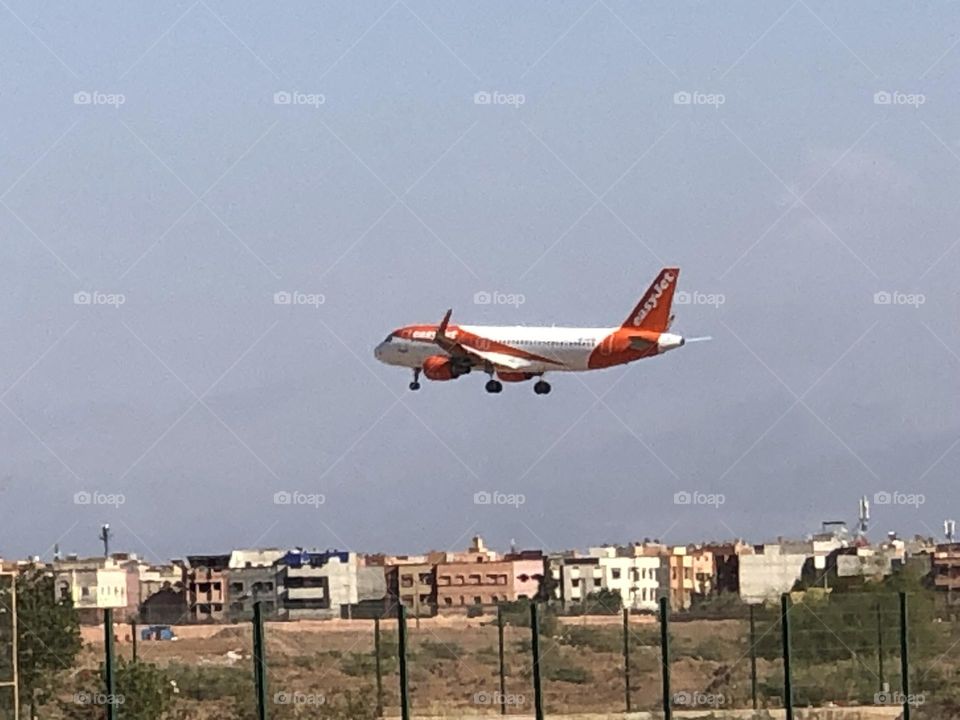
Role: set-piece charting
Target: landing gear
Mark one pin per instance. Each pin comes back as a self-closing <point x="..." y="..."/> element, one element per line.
<point x="542" y="387"/>
<point x="415" y="385"/>
<point x="493" y="386"/>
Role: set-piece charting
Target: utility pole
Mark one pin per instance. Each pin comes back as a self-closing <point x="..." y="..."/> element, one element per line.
<point x="105" y="539"/>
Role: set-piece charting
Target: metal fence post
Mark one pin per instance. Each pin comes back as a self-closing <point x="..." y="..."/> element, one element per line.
<point x="503" y="670"/>
<point x="880" y="648"/>
<point x="133" y="638"/>
<point x="108" y="662"/>
<point x="535" y="648"/>
<point x="753" y="656"/>
<point x="376" y="662"/>
<point x="259" y="661"/>
<point x="402" y="657"/>
<point x="785" y="634"/>
<point x="904" y="657"/>
<point x="626" y="658"/>
<point x="665" y="658"/>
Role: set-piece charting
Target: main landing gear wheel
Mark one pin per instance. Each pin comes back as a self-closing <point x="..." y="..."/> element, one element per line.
<point x="542" y="387"/>
<point x="415" y="385"/>
<point x="494" y="386"/>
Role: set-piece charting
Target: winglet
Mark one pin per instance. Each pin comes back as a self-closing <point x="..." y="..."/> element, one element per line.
<point x="440" y="336"/>
<point x="442" y="327"/>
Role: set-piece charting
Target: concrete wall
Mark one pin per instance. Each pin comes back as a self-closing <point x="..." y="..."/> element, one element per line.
<point x="765" y="577"/>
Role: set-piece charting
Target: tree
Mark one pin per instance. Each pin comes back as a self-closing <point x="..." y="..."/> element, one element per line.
<point x="143" y="692"/>
<point x="48" y="635"/>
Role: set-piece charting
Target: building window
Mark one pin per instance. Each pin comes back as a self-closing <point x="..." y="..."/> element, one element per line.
<point x="575" y="582"/>
<point x="406" y="581"/>
<point x="448" y="601"/>
<point x="615" y="573"/>
<point x="597" y="583"/>
<point x="477" y="600"/>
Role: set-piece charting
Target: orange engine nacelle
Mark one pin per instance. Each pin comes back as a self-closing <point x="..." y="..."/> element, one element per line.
<point x="513" y="376"/>
<point x="440" y="367"/>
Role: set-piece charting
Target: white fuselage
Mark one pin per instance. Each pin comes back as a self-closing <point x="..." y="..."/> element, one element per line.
<point x="569" y="347"/>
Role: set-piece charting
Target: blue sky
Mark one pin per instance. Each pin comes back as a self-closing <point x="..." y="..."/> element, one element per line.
<point x="147" y="157"/>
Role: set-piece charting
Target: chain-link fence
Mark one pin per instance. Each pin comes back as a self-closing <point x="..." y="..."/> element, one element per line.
<point x="811" y="650"/>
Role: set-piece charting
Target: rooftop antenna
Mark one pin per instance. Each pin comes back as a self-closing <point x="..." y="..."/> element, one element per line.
<point x="105" y="539"/>
<point x="864" y="517"/>
<point x="950" y="529"/>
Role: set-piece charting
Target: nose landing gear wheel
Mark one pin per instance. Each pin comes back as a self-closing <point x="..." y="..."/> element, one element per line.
<point x="493" y="386"/>
<point x="415" y="385"/>
<point x="542" y="387"/>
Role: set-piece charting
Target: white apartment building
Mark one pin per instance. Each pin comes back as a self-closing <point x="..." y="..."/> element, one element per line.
<point x="92" y="584"/>
<point x="637" y="577"/>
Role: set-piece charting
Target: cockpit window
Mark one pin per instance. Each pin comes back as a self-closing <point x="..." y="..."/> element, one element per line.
<point x="388" y="338"/>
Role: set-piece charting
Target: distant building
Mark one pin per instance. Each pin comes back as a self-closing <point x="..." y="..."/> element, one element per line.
<point x="479" y="581"/>
<point x="153" y="578"/>
<point x="579" y="577"/>
<point x="726" y="566"/>
<point x="251" y="578"/>
<point x="413" y="584"/>
<point x="93" y="584"/>
<point x="945" y="570"/>
<point x="249" y="585"/>
<point x="205" y="582"/>
<point x="240" y="559"/>
<point x="638" y="576"/>
<point x="771" y="570"/>
<point x="313" y="584"/>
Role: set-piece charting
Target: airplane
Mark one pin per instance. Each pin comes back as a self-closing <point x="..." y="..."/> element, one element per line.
<point x="515" y="354"/>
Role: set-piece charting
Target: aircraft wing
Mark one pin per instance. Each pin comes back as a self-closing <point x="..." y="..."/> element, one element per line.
<point x="499" y="359"/>
<point x="457" y="348"/>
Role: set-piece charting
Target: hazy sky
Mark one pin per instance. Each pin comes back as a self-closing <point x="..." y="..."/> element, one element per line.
<point x="147" y="157"/>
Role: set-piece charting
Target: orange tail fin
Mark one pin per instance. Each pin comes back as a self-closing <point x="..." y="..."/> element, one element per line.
<point x="653" y="310"/>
